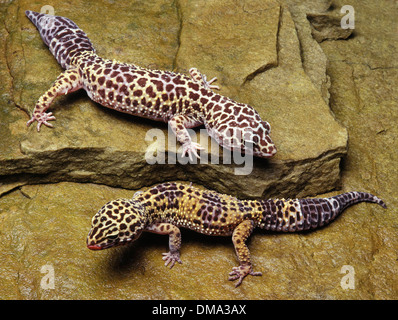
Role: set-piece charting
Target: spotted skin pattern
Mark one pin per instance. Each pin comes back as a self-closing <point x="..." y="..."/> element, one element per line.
<point x="182" y="101"/>
<point x="165" y="208"/>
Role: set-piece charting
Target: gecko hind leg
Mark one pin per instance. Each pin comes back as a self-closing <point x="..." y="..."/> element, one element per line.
<point x="239" y="273"/>
<point x="239" y="237"/>
<point x="67" y="82"/>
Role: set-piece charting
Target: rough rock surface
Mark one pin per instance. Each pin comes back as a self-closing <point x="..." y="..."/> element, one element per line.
<point x="262" y="53"/>
<point x="252" y="48"/>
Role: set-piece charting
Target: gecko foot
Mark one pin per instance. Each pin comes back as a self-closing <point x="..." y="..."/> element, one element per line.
<point x="239" y="273"/>
<point x="171" y="258"/>
<point x="201" y="78"/>
<point x="41" y="118"/>
<point x="191" y="148"/>
<point x="209" y="84"/>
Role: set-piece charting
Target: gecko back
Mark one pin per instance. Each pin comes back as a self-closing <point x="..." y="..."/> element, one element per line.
<point x="63" y="37"/>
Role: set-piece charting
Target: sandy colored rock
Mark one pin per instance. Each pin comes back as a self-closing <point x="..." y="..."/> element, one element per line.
<point x="364" y="98"/>
<point x="313" y="59"/>
<point x="45" y="225"/>
<point x="327" y="27"/>
<point x="231" y="40"/>
<point x="90" y="143"/>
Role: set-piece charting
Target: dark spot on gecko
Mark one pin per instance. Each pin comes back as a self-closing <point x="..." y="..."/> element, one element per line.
<point x="150" y="92"/>
<point x="142" y="82"/>
<point x="158" y="84"/>
<point x="165" y="97"/>
<point x="109" y="84"/>
<point x="193" y="96"/>
<point x="129" y="78"/>
<point x="181" y="92"/>
<point x="193" y="85"/>
<point x="101" y="92"/>
<point x="101" y="81"/>
<point x="203" y="100"/>
<point x="123" y="89"/>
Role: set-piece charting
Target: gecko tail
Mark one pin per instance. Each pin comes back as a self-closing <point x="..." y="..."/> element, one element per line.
<point x="349" y="198"/>
<point x="63" y="37"/>
<point x="49" y="25"/>
<point x="293" y="215"/>
<point x="320" y="212"/>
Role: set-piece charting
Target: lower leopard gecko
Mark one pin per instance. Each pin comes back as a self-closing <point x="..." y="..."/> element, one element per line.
<point x="165" y="208"/>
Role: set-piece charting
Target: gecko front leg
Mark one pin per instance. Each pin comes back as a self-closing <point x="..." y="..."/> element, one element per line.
<point x="174" y="234"/>
<point x="239" y="237"/>
<point x="179" y="125"/>
<point x="202" y="79"/>
<point x="66" y="82"/>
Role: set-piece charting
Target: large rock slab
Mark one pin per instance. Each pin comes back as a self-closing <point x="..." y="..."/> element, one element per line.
<point x="252" y="48"/>
<point x="43" y="227"/>
<point x="364" y="95"/>
<point x="313" y="58"/>
<point x="43" y="230"/>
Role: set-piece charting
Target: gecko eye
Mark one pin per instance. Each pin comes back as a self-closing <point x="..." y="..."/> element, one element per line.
<point x="112" y="236"/>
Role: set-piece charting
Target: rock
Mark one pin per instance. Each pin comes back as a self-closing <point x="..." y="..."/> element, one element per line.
<point x="43" y="230"/>
<point x="314" y="60"/>
<point x="233" y="41"/>
<point x="90" y="143"/>
<point x="363" y="95"/>
<point x="43" y="227"/>
<point x="327" y="27"/>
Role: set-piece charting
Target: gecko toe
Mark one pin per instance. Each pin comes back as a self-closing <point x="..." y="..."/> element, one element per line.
<point x="171" y="258"/>
<point x="239" y="273"/>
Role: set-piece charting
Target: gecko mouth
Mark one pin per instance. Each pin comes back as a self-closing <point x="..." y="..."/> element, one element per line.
<point x="267" y="154"/>
<point x="103" y="246"/>
<point x="94" y="247"/>
<point x="107" y="245"/>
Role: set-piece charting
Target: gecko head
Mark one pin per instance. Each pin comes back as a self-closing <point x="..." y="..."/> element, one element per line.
<point x="239" y="127"/>
<point x="254" y="140"/>
<point x="117" y="223"/>
<point x="263" y="145"/>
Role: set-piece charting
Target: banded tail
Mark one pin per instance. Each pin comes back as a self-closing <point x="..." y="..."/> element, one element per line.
<point x="63" y="37"/>
<point x="305" y="214"/>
